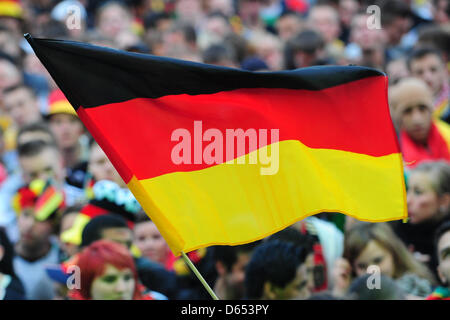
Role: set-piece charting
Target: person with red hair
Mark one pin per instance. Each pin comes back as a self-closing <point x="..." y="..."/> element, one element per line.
<point x="108" y="272"/>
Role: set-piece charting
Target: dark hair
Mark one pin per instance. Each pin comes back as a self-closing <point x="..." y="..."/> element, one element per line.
<point x="436" y="37"/>
<point x="295" y="237"/>
<point x="53" y="29"/>
<point x="34" y="127"/>
<point x="275" y="262"/>
<point x="32" y="148"/>
<point x="17" y="86"/>
<point x="228" y="255"/>
<point x="443" y="228"/>
<point x="94" y="229"/>
<point x="9" y="58"/>
<point x="141" y="216"/>
<point x="419" y="53"/>
<point x="216" y="52"/>
<point x="393" y="9"/>
<point x="6" y="263"/>
<point x="151" y="19"/>
<point x="308" y="41"/>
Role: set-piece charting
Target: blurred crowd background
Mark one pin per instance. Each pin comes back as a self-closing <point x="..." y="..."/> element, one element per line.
<point x="70" y="229"/>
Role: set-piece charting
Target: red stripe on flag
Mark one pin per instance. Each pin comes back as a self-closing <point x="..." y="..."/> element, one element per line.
<point x="352" y="117"/>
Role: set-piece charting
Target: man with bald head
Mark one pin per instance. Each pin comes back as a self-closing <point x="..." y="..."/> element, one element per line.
<point x="421" y="138"/>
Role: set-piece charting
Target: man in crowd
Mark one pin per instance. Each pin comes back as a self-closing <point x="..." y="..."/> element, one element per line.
<point x="428" y="65"/>
<point x="277" y="271"/>
<point x="38" y="206"/>
<point x="230" y="263"/>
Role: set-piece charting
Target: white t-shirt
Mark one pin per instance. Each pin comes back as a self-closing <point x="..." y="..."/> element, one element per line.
<point x="38" y="285"/>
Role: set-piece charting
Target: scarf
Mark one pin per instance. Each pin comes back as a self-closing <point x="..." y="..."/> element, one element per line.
<point x="414" y="153"/>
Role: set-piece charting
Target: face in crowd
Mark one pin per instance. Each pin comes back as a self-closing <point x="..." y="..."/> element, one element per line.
<point x="108" y="272"/>
<point x="101" y="167"/>
<point x="431" y="69"/>
<point x="443" y="250"/>
<point x="21" y="105"/>
<point x="426" y="198"/>
<point x="45" y="164"/>
<point x="411" y="102"/>
<point x="150" y="242"/>
<point x="67" y="129"/>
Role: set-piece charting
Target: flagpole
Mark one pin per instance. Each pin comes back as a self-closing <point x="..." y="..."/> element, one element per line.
<point x="199" y="276"/>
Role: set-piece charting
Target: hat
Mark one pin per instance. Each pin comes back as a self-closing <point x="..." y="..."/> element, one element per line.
<point x="108" y="197"/>
<point x="58" y="103"/>
<point x="11" y="8"/>
<point x="40" y="196"/>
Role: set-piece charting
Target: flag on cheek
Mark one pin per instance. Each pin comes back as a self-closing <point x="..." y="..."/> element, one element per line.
<point x="223" y="156"/>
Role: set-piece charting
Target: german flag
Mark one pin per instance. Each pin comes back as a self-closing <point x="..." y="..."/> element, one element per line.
<point x="221" y="156"/>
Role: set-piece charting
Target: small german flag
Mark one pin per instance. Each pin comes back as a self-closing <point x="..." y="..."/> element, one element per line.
<point x="221" y="156"/>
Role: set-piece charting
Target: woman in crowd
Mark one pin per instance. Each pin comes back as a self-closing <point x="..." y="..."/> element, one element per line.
<point x="368" y="244"/>
<point x="428" y="202"/>
<point x="108" y="272"/>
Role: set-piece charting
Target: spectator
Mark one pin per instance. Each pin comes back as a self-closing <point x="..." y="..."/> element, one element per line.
<point x="325" y="19"/>
<point x="375" y="244"/>
<point x="28" y="133"/>
<point x="69" y="133"/>
<point x="220" y="55"/>
<point x="113" y="227"/>
<point x="39" y="205"/>
<point x="230" y="264"/>
<point x="112" y="19"/>
<point x="151" y="243"/>
<point x="396" y="70"/>
<point x="101" y="168"/>
<point x="396" y="20"/>
<point x="277" y="271"/>
<point x="421" y="138"/>
<point x="108" y="272"/>
<point x="428" y="207"/>
<point x="21" y="105"/>
<point x="315" y="263"/>
<point x="67" y="128"/>
<point x="304" y="50"/>
<point x="428" y="65"/>
<point x="366" y="45"/>
<point x="288" y="25"/>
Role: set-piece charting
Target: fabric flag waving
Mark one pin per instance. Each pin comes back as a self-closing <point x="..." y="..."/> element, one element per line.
<point x="221" y="156"/>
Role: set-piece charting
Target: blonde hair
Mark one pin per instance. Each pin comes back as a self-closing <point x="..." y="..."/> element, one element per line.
<point x="361" y="233"/>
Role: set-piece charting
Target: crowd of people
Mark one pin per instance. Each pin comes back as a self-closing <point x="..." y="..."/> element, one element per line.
<point x="70" y="228"/>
